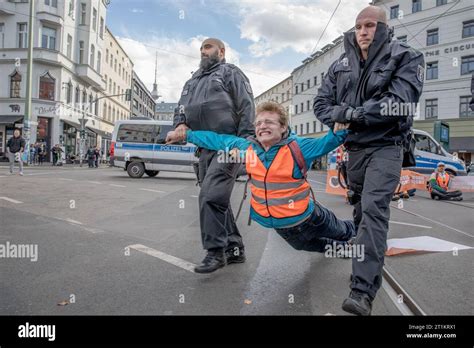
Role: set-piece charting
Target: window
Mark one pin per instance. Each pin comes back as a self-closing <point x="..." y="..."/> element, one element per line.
<point x="15" y="85"/>
<point x="77" y="96"/>
<point x="46" y="90"/>
<point x="99" y="58"/>
<point x="110" y="85"/>
<point x="276" y="99"/>
<point x="136" y="133"/>
<point x="288" y="95"/>
<point x="296" y="129"/>
<point x="84" y="99"/>
<point x="83" y="13"/>
<point x="432" y="37"/>
<point x="53" y="3"/>
<point x="91" y="100"/>
<point x="432" y="70"/>
<point x="296" y="89"/>
<point x="315" y="80"/>
<point x="94" y="19"/>
<point x="81" y="52"/>
<point x="467" y="29"/>
<point x="431" y="108"/>
<point x="22" y="35"/>
<point x="296" y="109"/>
<point x="69" y="46"/>
<point x="416" y="6"/>
<point x="101" y="28"/>
<point x="464" y="110"/>
<point x="308" y="83"/>
<point x="111" y="60"/>
<point x="301" y="129"/>
<point x="104" y="111"/>
<point x="322" y="77"/>
<point x="2" y="35"/>
<point x="302" y="107"/>
<point x="92" y="56"/>
<point x="441" y="2"/>
<point x="394" y="12"/>
<point x="120" y="70"/>
<point x="115" y="65"/>
<point x="69" y="93"/>
<point x="467" y="65"/>
<point x="48" y="38"/>
<point x="402" y="38"/>
<point x="424" y="143"/>
<point x="308" y="105"/>
<point x="282" y="97"/>
<point x="71" y="8"/>
<point x="314" y="126"/>
<point x="106" y="82"/>
<point x="107" y="55"/>
<point x="307" y="127"/>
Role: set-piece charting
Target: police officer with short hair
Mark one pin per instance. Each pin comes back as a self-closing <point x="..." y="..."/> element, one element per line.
<point x="217" y="98"/>
<point x="372" y="87"/>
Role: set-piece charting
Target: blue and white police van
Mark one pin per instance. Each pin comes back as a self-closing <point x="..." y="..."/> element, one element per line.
<point x="138" y="146"/>
<point x="428" y="153"/>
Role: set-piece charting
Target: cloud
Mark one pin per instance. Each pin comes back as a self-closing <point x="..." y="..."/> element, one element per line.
<point x="136" y="10"/>
<point x="273" y="26"/>
<point x="178" y="58"/>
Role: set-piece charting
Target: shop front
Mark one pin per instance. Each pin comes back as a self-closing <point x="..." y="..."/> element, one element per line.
<point x="7" y="126"/>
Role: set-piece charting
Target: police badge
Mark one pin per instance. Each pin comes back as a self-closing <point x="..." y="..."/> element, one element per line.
<point x="420" y="73"/>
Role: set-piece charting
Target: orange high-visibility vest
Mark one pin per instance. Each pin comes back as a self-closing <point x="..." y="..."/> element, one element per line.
<point x="275" y="193"/>
<point x="442" y="181"/>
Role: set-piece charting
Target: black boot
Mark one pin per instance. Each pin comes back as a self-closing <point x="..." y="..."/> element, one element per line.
<point x="358" y="303"/>
<point x="214" y="260"/>
<point x="235" y="255"/>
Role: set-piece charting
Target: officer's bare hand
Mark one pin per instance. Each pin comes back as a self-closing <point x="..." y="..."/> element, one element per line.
<point x="340" y="126"/>
<point x="181" y="131"/>
<point x="172" y="137"/>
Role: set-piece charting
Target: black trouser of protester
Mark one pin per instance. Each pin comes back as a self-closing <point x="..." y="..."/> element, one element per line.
<point x="373" y="174"/>
<point x="445" y="195"/>
<point x="218" y="228"/>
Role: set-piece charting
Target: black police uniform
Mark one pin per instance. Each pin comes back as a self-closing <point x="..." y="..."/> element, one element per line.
<point x="219" y="99"/>
<point x="393" y="73"/>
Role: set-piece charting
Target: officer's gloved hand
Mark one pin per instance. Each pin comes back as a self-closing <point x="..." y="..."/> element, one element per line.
<point x="339" y="114"/>
<point x="354" y="115"/>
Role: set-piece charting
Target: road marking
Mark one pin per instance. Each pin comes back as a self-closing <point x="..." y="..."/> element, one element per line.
<point x="65" y="179"/>
<point x="194" y="196"/>
<point x="11" y="200"/>
<point x="188" y="266"/>
<point x="115" y="185"/>
<point x="150" y="190"/>
<point x="407" y="224"/>
<point x="73" y="221"/>
<point x="44" y="173"/>
<point x="95" y="182"/>
<point x="318" y="182"/>
<point x="430" y="220"/>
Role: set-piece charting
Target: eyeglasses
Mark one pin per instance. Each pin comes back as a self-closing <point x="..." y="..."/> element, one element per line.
<point x="267" y="122"/>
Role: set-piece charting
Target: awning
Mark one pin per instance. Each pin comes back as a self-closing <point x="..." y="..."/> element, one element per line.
<point x="103" y="134"/>
<point x="461" y="144"/>
<point x="72" y="123"/>
<point x="9" y="119"/>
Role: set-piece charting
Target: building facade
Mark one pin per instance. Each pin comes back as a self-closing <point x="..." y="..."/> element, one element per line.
<point x="280" y="93"/>
<point x="165" y="111"/>
<point x="68" y="42"/>
<point x="142" y="100"/>
<point x="444" y="31"/>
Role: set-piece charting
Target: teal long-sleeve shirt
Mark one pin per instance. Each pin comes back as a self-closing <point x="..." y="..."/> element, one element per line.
<point x="311" y="149"/>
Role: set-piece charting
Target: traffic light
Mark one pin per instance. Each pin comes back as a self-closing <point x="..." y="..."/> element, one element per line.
<point x="83" y="133"/>
<point x="128" y="95"/>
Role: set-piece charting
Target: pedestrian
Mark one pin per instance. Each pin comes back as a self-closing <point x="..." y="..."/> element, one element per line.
<point x="15" y="148"/>
<point x="91" y="156"/>
<point x="219" y="98"/>
<point x="32" y="154"/>
<point x="97" y="156"/>
<point x="278" y="171"/>
<point x="41" y="153"/>
<point x="439" y="185"/>
<point x="372" y="87"/>
<point x="54" y="151"/>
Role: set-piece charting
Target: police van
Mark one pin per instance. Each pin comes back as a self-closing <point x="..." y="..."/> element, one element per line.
<point x="138" y="146"/>
<point x="428" y="153"/>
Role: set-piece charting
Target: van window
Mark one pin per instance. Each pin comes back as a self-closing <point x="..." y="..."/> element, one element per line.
<point x="135" y="133"/>
<point x="161" y="132"/>
<point x="424" y="143"/>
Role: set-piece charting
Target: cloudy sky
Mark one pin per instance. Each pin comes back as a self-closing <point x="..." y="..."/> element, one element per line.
<point x="267" y="39"/>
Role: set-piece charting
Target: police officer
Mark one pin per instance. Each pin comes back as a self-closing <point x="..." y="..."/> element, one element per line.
<point x="373" y="87"/>
<point x="218" y="98"/>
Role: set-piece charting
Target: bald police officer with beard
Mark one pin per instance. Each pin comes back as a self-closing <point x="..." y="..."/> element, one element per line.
<point x="217" y="98"/>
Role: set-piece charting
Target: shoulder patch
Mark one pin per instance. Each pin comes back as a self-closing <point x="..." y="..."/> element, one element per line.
<point x="420" y="73"/>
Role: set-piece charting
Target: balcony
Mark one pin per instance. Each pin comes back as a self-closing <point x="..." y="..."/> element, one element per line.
<point x="7" y="8"/>
<point x="89" y="75"/>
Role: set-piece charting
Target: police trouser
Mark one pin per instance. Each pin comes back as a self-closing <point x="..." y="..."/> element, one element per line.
<point x="373" y="174"/>
<point x="218" y="228"/>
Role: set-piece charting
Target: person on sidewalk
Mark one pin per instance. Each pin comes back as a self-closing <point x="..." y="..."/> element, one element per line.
<point x="276" y="162"/>
<point x="15" y="148"/>
<point x="91" y="156"/>
<point x="97" y="156"/>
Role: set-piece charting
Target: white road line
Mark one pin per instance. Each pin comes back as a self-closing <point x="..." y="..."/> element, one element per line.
<point x="318" y="182"/>
<point x="43" y="173"/>
<point x="95" y="182"/>
<point x="194" y="196"/>
<point x="73" y="221"/>
<point x="407" y="224"/>
<point x="65" y="179"/>
<point x="11" y="200"/>
<point x="150" y="190"/>
<point x="188" y="266"/>
<point x="115" y="185"/>
<point x="430" y="220"/>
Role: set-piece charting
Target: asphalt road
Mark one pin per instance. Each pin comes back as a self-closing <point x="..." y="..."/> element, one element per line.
<point x="87" y="224"/>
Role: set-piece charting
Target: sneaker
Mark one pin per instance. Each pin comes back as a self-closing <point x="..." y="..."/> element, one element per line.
<point x="21" y="173"/>
<point x="235" y="255"/>
<point x="358" y="303"/>
<point x="214" y="260"/>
